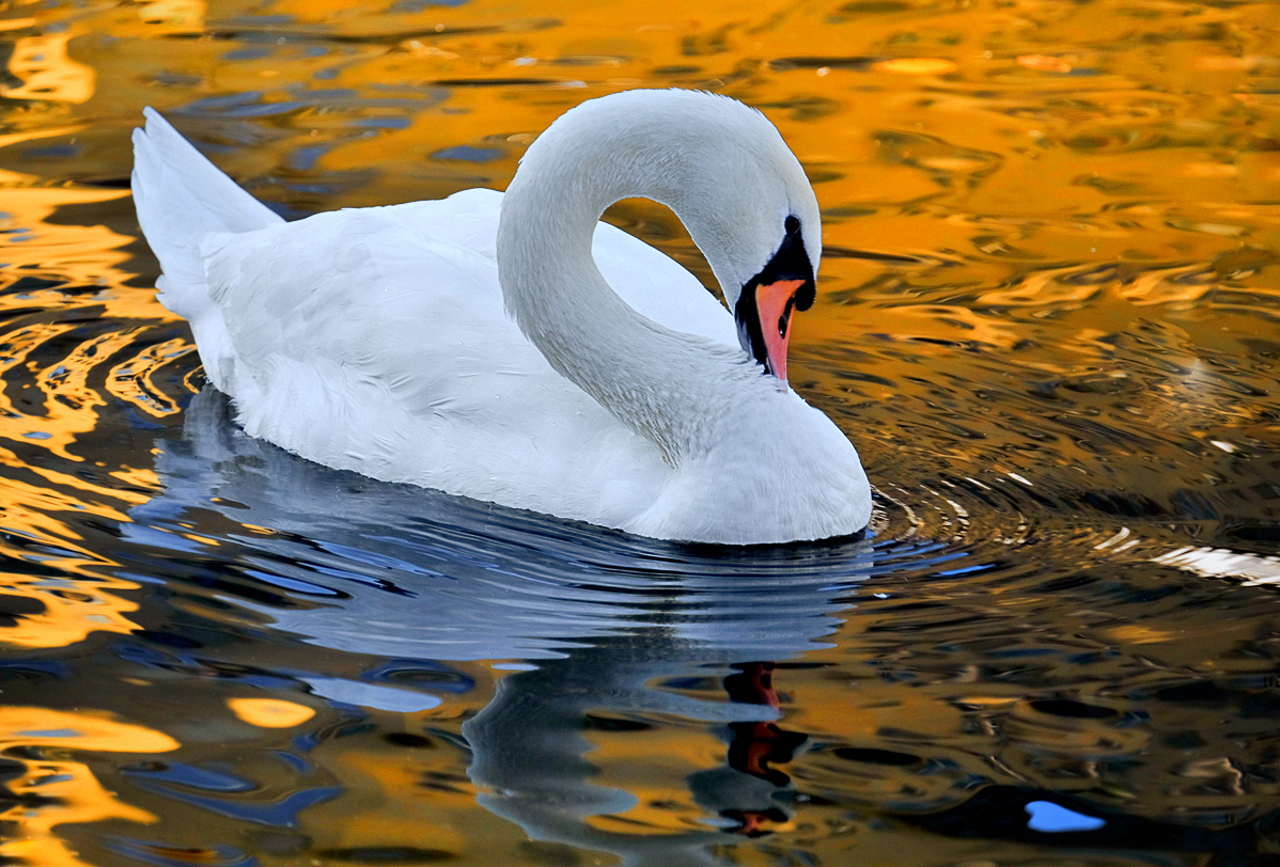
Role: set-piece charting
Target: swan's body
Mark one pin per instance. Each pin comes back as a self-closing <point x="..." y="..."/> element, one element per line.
<point x="375" y="339"/>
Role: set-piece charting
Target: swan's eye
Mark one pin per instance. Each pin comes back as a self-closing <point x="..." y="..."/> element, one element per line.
<point x="785" y="320"/>
<point x="792" y="224"/>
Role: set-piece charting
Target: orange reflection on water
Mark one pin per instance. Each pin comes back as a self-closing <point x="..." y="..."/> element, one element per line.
<point x="46" y="72"/>
<point x="270" y="713"/>
<point x="1007" y="159"/>
<point x="58" y="790"/>
<point x="30" y="242"/>
<point x="69" y="401"/>
<point x="656" y="777"/>
<point x="403" y="793"/>
<point x="175" y="16"/>
<point x="71" y="592"/>
<point x="66" y="611"/>
<point x="132" y="379"/>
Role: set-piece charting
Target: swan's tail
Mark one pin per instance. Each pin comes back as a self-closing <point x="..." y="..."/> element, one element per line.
<point x="181" y="199"/>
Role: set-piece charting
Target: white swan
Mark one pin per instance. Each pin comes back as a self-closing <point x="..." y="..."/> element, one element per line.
<point x="375" y="339"/>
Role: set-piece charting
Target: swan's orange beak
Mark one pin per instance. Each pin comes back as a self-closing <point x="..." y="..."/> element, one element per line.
<point x="765" y="303"/>
<point x="775" y="301"/>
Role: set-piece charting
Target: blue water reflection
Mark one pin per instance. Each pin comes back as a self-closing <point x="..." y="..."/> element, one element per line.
<point x="423" y="574"/>
<point x="618" y="626"/>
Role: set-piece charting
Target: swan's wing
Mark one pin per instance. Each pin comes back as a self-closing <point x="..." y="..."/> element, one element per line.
<point x="367" y="290"/>
<point x="358" y="340"/>
<point x="367" y="307"/>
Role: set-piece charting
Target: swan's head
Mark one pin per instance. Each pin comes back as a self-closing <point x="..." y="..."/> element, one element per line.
<point x="749" y="207"/>
<point x="728" y="175"/>
<point x="763" y="306"/>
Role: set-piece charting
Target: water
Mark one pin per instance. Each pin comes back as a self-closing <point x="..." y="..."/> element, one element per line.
<point x="1047" y="317"/>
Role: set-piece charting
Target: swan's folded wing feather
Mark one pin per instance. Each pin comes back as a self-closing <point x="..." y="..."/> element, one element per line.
<point x="361" y="342"/>
<point x="359" y="290"/>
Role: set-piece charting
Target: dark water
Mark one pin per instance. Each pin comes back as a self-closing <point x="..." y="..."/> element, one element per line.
<point x="1048" y="319"/>
<point x="992" y="650"/>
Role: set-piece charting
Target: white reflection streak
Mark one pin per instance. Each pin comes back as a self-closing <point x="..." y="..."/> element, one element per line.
<point x="1116" y="540"/>
<point x="1224" y="563"/>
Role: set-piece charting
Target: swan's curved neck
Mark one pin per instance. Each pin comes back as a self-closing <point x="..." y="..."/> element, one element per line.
<point x="668" y="386"/>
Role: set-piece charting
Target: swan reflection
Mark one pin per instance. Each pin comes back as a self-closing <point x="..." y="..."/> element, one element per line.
<point x="602" y="629"/>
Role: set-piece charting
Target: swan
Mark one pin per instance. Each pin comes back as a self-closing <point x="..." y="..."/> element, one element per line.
<point x="512" y="348"/>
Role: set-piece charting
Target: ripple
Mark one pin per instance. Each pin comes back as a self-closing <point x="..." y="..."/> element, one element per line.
<point x="1056" y="359"/>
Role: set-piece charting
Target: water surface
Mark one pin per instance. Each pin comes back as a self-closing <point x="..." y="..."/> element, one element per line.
<point x="1047" y="317"/>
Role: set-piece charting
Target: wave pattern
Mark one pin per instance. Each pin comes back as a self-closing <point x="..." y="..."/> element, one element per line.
<point x="1047" y="319"/>
<point x="999" y="641"/>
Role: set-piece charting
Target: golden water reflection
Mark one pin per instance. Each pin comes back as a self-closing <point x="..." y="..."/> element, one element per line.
<point x="61" y="612"/>
<point x="1047" y="316"/>
<point x="46" y="72"/>
<point x="53" y="789"/>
